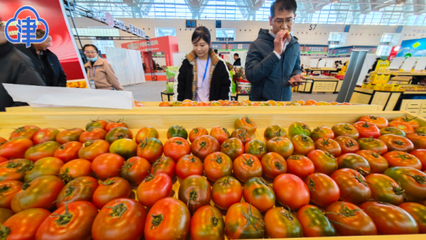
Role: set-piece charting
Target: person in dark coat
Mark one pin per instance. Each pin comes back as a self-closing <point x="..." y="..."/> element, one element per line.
<point x="45" y="62"/>
<point x="202" y="76"/>
<point x="237" y="59"/>
<point x="373" y="67"/>
<point x="15" y="68"/>
<point x="273" y="60"/>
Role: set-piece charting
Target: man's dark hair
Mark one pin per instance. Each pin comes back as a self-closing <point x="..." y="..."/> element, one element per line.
<point x="215" y="51"/>
<point x="201" y="33"/>
<point x="236" y="55"/>
<point x="281" y="5"/>
<point x="40" y="33"/>
<point x="90" y="45"/>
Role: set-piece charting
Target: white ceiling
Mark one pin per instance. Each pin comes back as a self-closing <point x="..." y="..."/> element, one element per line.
<point x="368" y="12"/>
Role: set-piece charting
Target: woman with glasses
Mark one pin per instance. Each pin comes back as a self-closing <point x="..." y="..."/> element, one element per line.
<point x="98" y="70"/>
<point x="203" y="76"/>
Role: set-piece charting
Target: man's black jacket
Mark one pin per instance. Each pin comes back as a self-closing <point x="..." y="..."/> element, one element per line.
<point x="56" y="73"/>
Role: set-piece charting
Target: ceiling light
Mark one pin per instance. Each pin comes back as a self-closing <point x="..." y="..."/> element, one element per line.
<point x="388" y="1"/>
<point x="334" y="1"/>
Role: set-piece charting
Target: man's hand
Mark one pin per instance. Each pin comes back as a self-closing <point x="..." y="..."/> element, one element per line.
<point x="296" y="80"/>
<point x="279" y="41"/>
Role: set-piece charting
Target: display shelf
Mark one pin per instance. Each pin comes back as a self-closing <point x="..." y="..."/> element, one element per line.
<point x="321" y="69"/>
<point x="325" y="84"/>
<point x="153" y="107"/>
<point x="387" y="99"/>
<point x="417" y="107"/>
<point x="306" y="87"/>
<point x="408" y="73"/>
<point x="162" y="121"/>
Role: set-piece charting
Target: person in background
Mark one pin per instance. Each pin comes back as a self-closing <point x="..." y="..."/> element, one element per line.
<point x="202" y="76"/>
<point x="273" y="60"/>
<point x="46" y="63"/>
<point x="237" y="59"/>
<point x="99" y="70"/>
<point x="144" y="67"/>
<point x="319" y="60"/>
<point x="215" y="51"/>
<point x="15" y="68"/>
<point x="373" y="68"/>
<point x="339" y="65"/>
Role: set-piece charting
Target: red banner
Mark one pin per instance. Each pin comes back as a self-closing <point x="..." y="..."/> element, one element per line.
<point x="51" y="11"/>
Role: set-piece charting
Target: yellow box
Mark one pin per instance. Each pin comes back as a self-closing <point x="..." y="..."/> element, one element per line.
<point x="382" y="66"/>
<point x="379" y="87"/>
<point x="392" y="87"/>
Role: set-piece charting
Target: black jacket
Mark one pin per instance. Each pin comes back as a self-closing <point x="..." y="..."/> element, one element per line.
<point x="220" y="86"/>
<point x="15" y="68"/>
<point x="237" y="62"/>
<point x="56" y="73"/>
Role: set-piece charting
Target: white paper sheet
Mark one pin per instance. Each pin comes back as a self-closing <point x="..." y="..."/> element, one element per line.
<point x="330" y="63"/>
<point x="313" y="63"/>
<point x="396" y="63"/>
<point x="321" y="63"/>
<point x="409" y="64"/>
<point x="421" y="64"/>
<point x="38" y="96"/>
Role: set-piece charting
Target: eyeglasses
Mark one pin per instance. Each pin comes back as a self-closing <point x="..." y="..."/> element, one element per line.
<point x="90" y="52"/>
<point x="288" y="21"/>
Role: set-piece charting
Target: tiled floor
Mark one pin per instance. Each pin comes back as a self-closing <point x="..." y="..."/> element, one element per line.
<point x="150" y="91"/>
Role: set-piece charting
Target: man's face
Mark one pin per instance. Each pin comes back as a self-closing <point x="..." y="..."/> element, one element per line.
<point x="44" y="45"/>
<point x="235" y="57"/>
<point x="282" y="20"/>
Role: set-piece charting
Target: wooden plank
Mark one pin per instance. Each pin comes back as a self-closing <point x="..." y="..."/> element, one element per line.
<point x="136" y="120"/>
<point x="202" y="110"/>
<point x="364" y="90"/>
<point x="339" y="85"/>
<point x="164" y="121"/>
<point x="392" y="101"/>
<point x="361" y="98"/>
<point x="380" y="98"/>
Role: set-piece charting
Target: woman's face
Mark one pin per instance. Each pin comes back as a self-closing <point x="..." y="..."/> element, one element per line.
<point x="201" y="48"/>
<point x="90" y="52"/>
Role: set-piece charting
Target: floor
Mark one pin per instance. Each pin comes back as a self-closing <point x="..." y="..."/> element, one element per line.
<point x="150" y="92"/>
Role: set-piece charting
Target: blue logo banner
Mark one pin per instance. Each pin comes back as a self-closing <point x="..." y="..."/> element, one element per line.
<point x="26" y="27"/>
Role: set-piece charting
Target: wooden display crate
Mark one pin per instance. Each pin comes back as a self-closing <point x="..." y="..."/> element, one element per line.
<point x="162" y="121"/>
<point x="150" y="107"/>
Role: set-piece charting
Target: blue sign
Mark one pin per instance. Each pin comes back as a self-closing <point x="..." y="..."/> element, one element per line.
<point x="218" y="24"/>
<point x="413" y="48"/>
<point x="26" y="27"/>
<point x="191" y="24"/>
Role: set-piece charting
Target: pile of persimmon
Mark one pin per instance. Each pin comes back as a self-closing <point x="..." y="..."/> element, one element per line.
<point x="106" y="182"/>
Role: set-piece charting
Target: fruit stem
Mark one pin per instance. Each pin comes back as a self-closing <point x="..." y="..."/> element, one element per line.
<point x="118" y="210"/>
<point x="63" y="219"/>
<point x="252" y="220"/>
<point x="4" y="232"/>
<point x="156" y="220"/>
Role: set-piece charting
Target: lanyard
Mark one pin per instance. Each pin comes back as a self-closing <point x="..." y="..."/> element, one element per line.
<point x="94" y="72"/>
<point x="205" y="71"/>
